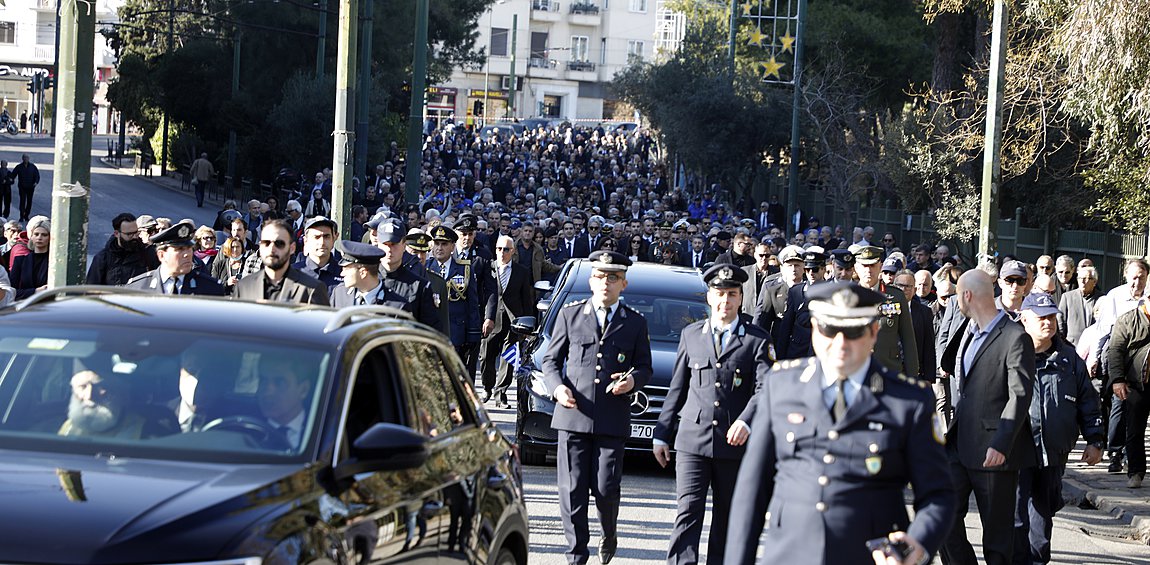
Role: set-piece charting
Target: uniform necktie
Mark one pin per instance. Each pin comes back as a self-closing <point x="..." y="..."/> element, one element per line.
<point x="443" y="271"/>
<point x="839" y="410"/>
<point x="504" y="274"/>
<point x="606" y="318"/>
<point x="359" y="300"/>
<point x="720" y="334"/>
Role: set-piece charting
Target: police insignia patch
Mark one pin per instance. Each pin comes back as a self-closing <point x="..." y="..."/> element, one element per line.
<point x="874" y="464"/>
<point x="622" y="357"/>
<point x="939" y="429"/>
<point x="738" y="381"/>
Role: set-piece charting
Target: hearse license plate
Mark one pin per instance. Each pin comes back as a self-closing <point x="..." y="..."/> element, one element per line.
<point x="643" y="431"/>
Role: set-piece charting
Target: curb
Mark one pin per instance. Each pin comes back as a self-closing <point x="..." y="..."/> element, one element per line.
<point x="1076" y="492"/>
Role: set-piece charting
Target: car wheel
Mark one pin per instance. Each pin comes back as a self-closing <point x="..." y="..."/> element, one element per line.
<point x="532" y="455"/>
<point x="505" y="557"/>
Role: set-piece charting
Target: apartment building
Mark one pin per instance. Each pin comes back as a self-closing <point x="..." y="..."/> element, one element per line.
<point x="564" y="52"/>
<point x="28" y="48"/>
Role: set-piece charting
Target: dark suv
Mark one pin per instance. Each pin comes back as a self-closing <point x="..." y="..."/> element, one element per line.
<point x="669" y="298"/>
<point x="154" y="429"/>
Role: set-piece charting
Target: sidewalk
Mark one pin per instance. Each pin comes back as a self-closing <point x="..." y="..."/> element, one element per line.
<point x="166" y="181"/>
<point x="1093" y="487"/>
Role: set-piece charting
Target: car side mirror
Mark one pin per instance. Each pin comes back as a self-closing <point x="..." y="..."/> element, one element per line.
<point x="524" y="325"/>
<point x="384" y="447"/>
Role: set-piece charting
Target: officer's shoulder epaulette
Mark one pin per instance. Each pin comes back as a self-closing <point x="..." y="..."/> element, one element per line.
<point x="894" y="376"/>
<point x="139" y="277"/>
<point x="463" y="261"/>
<point x="575" y="303"/>
<point x="787" y="364"/>
<point x="630" y="308"/>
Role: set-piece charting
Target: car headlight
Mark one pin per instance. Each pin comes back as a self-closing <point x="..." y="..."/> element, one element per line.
<point x="538" y="385"/>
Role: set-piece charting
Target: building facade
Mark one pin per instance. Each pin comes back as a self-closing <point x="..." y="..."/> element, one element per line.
<point x="28" y="49"/>
<point x="564" y="52"/>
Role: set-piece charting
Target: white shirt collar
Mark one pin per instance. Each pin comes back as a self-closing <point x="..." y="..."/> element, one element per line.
<point x="855" y="378"/>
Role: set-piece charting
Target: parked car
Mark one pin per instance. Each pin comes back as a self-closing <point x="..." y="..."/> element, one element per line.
<point x="142" y="428"/>
<point x="669" y="297"/>
<point x="503" y="130"/>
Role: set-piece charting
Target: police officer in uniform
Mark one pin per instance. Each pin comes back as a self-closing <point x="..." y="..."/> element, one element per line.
<point x="177" y="273"/>
<point x="462" y="290"/>
<point x="481" y="258"/>
<point x="600" y="351"/>
<point x="793" y="338"/>
<point x="721" y="363"/>
<point x="418" y="247"/>
<point x="360" y="277"/>
<point x="406" y="290"/>
<point x="772" y="301"/>
<point x="895" y="346"/>
<point x="843" y="265"/>
<point x="835" y="441"/>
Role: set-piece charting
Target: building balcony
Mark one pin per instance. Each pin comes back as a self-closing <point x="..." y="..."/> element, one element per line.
<point x="545" y="11"/>
<point x="583" y="71"/>
<point x="584" y="13"/>
<point x="543" y="68"/>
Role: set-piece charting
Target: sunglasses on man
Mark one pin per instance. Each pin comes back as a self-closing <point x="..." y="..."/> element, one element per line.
<point x="832" y="331"/>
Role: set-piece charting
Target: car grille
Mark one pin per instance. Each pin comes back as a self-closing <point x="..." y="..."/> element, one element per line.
<point x="538" y="426"/>
<point x="647" y="404"/>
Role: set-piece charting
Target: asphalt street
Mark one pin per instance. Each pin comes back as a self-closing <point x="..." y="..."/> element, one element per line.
<point x="648" y="513"/>
<point x="113" y="190"/>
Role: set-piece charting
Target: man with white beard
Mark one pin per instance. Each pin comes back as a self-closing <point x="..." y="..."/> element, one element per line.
<point x="99" y="408"/>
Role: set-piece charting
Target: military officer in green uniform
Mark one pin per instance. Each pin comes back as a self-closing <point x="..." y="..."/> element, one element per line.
<point x="895" y="347"/>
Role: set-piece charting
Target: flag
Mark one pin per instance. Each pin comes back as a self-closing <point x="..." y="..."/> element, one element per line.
<point x="511" y="355"/>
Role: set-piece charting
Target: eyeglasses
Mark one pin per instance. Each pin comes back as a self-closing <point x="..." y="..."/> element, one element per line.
<point x="1014" y="281"/>
<point x="611" y="278"/>
<point x="596" y="228"/>
<point x="831" y="331"/>
<point x="504" y="248"/>
<point x="608" y="246"/>
<point x="1045" y="268"/>
<point x="885" y="240"/>
<point x="763" y="255"/>
<point x="204" y="238"/>
<point x="692" y="232"/>
<point x="279" y="243"/>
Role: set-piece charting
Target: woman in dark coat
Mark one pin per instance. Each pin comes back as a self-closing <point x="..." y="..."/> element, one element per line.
<point x="30" y="272"/>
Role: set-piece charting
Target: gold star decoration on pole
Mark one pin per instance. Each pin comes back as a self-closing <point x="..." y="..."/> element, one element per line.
<point x="771" y="68"/>
<point x="747" y="7"/>
<point x="757" y="37"/>
<point x="788" y="42"/>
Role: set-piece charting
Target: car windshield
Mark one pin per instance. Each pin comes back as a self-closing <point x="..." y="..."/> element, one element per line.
<point x="157" y="394"/>
<point x="666" y="315"/>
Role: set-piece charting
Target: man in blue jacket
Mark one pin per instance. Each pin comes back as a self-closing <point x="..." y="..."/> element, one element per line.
<point x="1063" y="405"/>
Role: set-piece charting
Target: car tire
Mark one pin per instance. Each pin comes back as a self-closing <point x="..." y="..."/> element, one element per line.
<point x="505" y="557"/>
<point x="532" y="455"/>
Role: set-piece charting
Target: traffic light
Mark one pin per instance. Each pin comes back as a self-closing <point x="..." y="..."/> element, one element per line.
<point x="49" y="82"/>
<point x="34" y="84"/>
<point x="477" y="109"/>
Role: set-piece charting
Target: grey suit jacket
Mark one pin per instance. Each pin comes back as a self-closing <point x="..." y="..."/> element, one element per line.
<point x="1076" y="313"/>
<point x="299" y="288"/>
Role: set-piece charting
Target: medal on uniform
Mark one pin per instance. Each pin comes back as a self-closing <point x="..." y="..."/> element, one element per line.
<point x="874" y="464"/>
<point x="622" y="357"/>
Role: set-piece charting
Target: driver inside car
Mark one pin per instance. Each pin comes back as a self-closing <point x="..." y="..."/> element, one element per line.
<point x="281" y="395"/>
<point x="100" y="407"/>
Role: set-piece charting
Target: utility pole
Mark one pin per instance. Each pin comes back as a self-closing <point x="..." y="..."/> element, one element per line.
<point x="511" y="91"/>
<point x="344" y="137"/>
<point x="73" y="178"/>
<point x="363" y="116"/>
<point x="56" y="63"/>
<point x="731" y="41"/>
<point x="321" y="45"/>
<point x="171" y="44"/>
<point x="992" y="148"/>
<point x="415" y="116"/>
<point x="793" y="189"/>
<point x="231" y="174"/>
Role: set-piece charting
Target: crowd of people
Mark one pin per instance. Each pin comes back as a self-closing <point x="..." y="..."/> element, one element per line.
<point x="1004" y="343"/>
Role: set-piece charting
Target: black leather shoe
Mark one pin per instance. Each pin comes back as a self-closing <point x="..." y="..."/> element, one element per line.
<point x="607" y="547"/>
<point x="501" y="400"/>
<point x="486" y="396"/>
<point x="1115" y="465"/>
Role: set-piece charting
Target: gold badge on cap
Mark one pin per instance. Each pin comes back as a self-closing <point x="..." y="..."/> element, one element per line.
<point x="184" y="232"/>
<point x="874" y="464"/>
<point x="725" y="274"/>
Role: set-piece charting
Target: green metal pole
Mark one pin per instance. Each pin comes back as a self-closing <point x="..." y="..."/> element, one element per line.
<point x="73" y="159"/>
<point x="237" y="44"/>
<point x="991" y="158"/>
<point x="415" y="116"/>
<point x="321" y="44"/>
<point x="344" y="136"/>
<point x="171" y="47"/>
<point x="514" y="41"/>
<point x="731" y="41"/>
<point x="793" y="189"/>
<point x="363" y="116"/>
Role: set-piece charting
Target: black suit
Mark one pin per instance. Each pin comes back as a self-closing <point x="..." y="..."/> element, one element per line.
<point x="512" y="302"/>
<point x="922" y="319"/>
<point x="991" y="390"/>
<point x="793" y="336"/>
<point x="708" y="394"/>
<point x="688" y="258"/>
